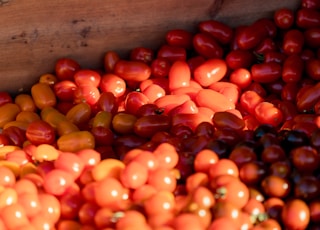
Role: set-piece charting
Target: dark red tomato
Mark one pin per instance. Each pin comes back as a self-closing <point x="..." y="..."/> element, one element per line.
<point x="147" y="126"/>
<point x="239" y="59"/>
<point x="250" y="36"/>
<point x="134" y="100"/>
<point x="179" y="75"/>
<point x="293" y="42"/>
<point x="188" y="107"/>
<point x="113" y="83"/>
<point x="153" y="92"/>
<point x="274" y="56"/>
<point x="103" y="136"/>
<point x="4" y="140"/>
<point x="284" y="18"/>
<point x="143" y="54"/>
<point x="258" y="88"/>
<point x="312" y="37"/>
<point x="109" y="61"/>
<point x="172" y="53"/>
<point x="86" y="77"/>
<point x="5" y="97"/>
<point x="132" y="70"/>
<point x="160" y="67"/>
<point x="40" y="132"/>
<point x="65" y="68"/>
<point x="210" y="71"/>
<point x="249" y="100"/>
<point x="266" y="45"/>
<point x="307" y="18"/>
<point x="195" y="61"/>
<point x="311" y="4"/>
<point x="107" y="102"/>
<point x="268" y="25"/>
<point x="15" y="135"/>
<point x="307" y="54"/>
<point x="305" y="159"/>
<point x="87" y="93"/>
<point x="206" y="46"/>
<point x="179" y="38"/>
<point x="308" y="98"/>
<point x="267" y="113"/>
<point x="148" y="109"/>
<point x="227" y="120"/>
<point x="293" y="68"/>
<point x="266" y="72"/>
<point x="313" y="69"/>
<point x="64" y="90"/>
<point x="288" y="109"/>
<point x="218" y="30"/>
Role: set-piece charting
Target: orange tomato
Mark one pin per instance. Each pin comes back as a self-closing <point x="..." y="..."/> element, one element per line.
<point x="8" y="112"/>
<point x="79" y="114"/>
<point x="43" y="95"/>
<point x="25" y="102"/>
<point x="76" y="141"/>
<point x="27" y="116"/>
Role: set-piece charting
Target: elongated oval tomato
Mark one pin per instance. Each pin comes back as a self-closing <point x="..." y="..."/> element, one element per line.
<point x="179" y="75"/>
<point x="179" y="38"/>
<point x="308" y="98"/>
<point x="8" y="112"/>
<point x="79" y="113"/>
<point x="40" y="132"/>
<point x="172" y="53"/>
<point x="239" y="59"/>
<point x="168" y="102"/>
<point x="229" y="90"/>
<point x="85" y="77"/>
<point x="267" y="113"/>
<point x="76" y="141"/>
<point x="249" y="100"/>
<point x="190" y="120"/>
<point x="307" y="18"/>
<point x="109" y="61"/>
<point x="292" y="68"/>
<point x="207" y="46"/>
<point x="225" y="119"/>
<point x="266" y="72"/>
<point x="220" y="31"/>
<point x="293" y="42"/>
<point x="147" y="126"/>
<point x="213" y="100"/>
<point x="211" y="71"/>
<point x="132" y="70"/>
<point x="65" y="68"/>
<point x="142" y="54"/>
<point x="43" y="95"/>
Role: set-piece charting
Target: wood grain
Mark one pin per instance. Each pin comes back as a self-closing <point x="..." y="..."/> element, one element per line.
<point x="34" y="34"/>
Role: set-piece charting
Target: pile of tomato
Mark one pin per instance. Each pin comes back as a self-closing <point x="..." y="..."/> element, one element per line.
<point x="216" y="129"/>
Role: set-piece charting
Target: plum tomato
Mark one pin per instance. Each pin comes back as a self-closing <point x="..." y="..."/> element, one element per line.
<point x="64" y="90"/>
<point x="293" y="68"/>
<point x="109" y="61"/>
<point x="284" y="18"/>
<point x="293" y="42"/>
<point x="206" y="46"/>
<point x="43" y="95"/>
<point x="86" y="77"/>
<point x="40" y="132"/>
<point x="132" y="70"/>
<point x="179" y="38"/>
<point x="172" y="53"/>
<point x="142" y="54"/>
<point x="239" y="59"/>
<point x="295" y="214"/>
<point x="267" y="113"/>
<point x="65" y="68"/>
<point x="307" y="18"/>
<point x="218" y="30"/>
<point x="266" y="72"/>
<point x="160" y="67"/>
<point x="147" y="126"/>
<point x="179" y="75"/>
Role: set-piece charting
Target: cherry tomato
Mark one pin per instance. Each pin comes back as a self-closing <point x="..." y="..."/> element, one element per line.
<point x="86" y="94"/>
<point x="194" y="62"/>
<point x="206" y="46"/>
<point x="250" y="36"/>
<point x="160" y="67"/>
<point x="292" y="68"/>
<point x="132" y="70"/>
<point x="266" y="72"/>
<point x="40" y="132"/>
<point x="179" y="38"/>
<point x="218" y="30"/>
<point x="306" y="99"/>
<point x="65" y="68"/>
<point x="310" y="4"/>
<point x="142" y="54"/>
<point x="220" y="102"/>
<point x="284" y="18"/>
<point x="109" y="61"/>
<point x="211" y="71"/>
<point x="239" y="59"/>
<point x="267" y="113"/>
<point x="295" y="214"/>
<point x="43" y="95"/>
<point x="307" y="18"/>
<point x="241" y="77"/>
<point x="64" y="90"/>
<point x="313" y="69"/>
<point x="293" y="42"/>
<point x="79" y="113"/>
<point x="172" y="53"/>
<point x="179" y="75"/>
<point x="226" y="120"/>
<point x="147" y="126"/>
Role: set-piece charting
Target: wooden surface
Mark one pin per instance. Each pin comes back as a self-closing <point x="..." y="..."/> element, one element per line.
<point x="34" y="34"/>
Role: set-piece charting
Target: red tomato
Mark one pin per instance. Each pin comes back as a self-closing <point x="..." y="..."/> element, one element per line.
<point x="292" y="69"/>
<point x="194" y="62"/>
<point x="179" y="75"/>
<point x="160" y="67"/>
<point x="86" y="77"/>
<point x="308" y="98"/>
<point x="109" y="61"/>
<point x="112" y="83"/>
<point x="179" y="38"/>
<point x="153" y="92"/>
<point x="206" y="46"/>
<point x="132" y="70"/>
<point x="172" y="53"/>
<point x="241" y="77"/>
<point x="143" y="54"/>
<point x="134" y="100"/>
<point x="266" y="72"/>
<point x="312" y="37"/>
<point x="64" y="90"/>
<point x="266" y="45"/>
<point x="88" y="94"/>
<point x="15" y="135"/>
<point x="274" y="56"/>
<point x="249" y="100"/>
<point x="313" y="69"/>
<point x="284" y="18"/>
<point x="40" y="132"/>
<point x="65" y="68"/>
<point x="5" y="97"/>
<point x="267" y="113"/>
<point x="307" y="18"/>
<point x="250" y="36"/>
<point x="211" y="71"/>
<point x="310" y="4"/>
<point x="218" y="30"/>
<point x="147" y="126"/>
<point x="213" y="100"/>
<point x="293" y="42"/>
<point x="239" y="59"/>
<point x="162" y="82"/>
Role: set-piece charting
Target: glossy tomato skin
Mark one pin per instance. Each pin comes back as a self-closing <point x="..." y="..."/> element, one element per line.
<point x="179" y="75"/>
<point x="64" y="90"/>
<point x="310" y="4"/>
<point x="250" y="36"/>
<point x="113" y="83"/>
<point x="132" y="70"/>
<point x="5" y="97"/>
<point x="109" y="61"/>
<point x="312" y="36"/>
<point x="267" y="113"/>
<point x="292" y="68"/>
<point x="239" y="59"/>
<point x="65" y="68"/>
<point x="87" y="93"/>
<point x="207" y="46"/>
<point x="147" y="126"/>
<point x="172" y="53"/>
<point x="180" y="38"/>
<point x="313" y="69"/>
<point x="86" y="77"/>
<point x="134" y="100"/>
<point x="306" y="99"/>
<point x="293" y="42"/>
<point x="160" y="67"/>
<point x="218" y="30"/>
<point x="284" y="18"/>
<point x="142" y="54"/>
<point x="40" y="132"/>
<point x="307" y="18"/>
<point x="266" y="72"/>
